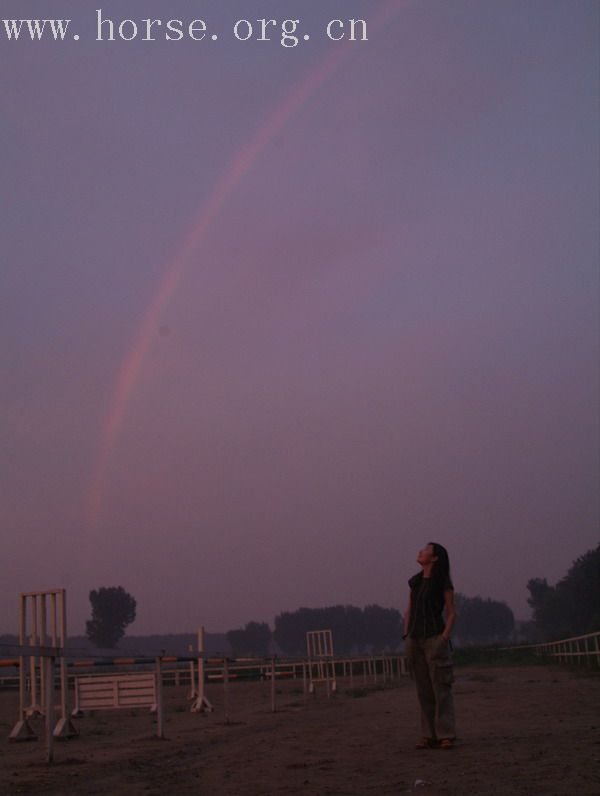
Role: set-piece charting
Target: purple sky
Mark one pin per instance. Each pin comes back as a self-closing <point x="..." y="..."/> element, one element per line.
<point x="387" y="336"/>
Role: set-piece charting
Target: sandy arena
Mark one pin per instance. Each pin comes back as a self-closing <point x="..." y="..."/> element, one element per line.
<point x="523" y="730"/>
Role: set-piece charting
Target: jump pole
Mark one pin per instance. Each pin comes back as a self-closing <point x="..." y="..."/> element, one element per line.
<point x="201" y="703"/>
<point x="35" y="707"/>
<point x="159" y="699"/>
<point x="193" y="692"/>
<point x="273" y="685"/>
<point x="48" y="667"/>
<point x="226" y="689"/>
<point x="22" y="730"/>
<point x="58" y="602"/>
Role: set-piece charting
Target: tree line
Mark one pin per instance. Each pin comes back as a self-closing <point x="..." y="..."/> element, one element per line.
<point x="354" y="630"/>
<point x="571" y="607"/>
<point x="370" y="629"/>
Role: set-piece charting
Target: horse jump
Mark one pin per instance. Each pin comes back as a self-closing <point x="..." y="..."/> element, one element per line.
<point x="44" y="642"/>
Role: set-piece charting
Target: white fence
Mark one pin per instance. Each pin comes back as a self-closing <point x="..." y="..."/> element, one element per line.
<point x="578" y="649"/>
<point x="374" y="669"/>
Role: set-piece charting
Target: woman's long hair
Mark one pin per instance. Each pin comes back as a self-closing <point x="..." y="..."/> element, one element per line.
<point x="441" y="569"/>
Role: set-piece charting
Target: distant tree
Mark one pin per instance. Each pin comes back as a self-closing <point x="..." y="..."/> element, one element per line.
<point x="348" y="628"/>
<point x="258" y="635"/>
<point x="352" y="628"/>
<point x="112" y="610"/>
<point x="482" y="621"/>
<point x="527" y="632"/>
<point x="291" y="628"/>
<point x="572" y="607"/>
<point x="254" y="639"/>
<point x="237" y="641"/>
<point x="382" y="628"/>
<point x="542" y="598"/>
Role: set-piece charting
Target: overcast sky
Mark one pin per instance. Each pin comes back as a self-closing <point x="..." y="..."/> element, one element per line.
<point x="273" y="318"/>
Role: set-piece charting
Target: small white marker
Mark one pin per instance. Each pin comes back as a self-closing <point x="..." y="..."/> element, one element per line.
<point x="76" y="37"/>
<point x="214" y="37"/>
<point x="306" y="37"/>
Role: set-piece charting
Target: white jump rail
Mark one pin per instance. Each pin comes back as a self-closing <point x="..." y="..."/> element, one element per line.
<point x="123" y="690"/>
<point x="114" y="691"/>
<point x="577" y="649"/>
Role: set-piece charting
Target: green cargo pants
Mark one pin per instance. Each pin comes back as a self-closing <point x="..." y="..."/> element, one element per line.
<point x="431" y="665"/>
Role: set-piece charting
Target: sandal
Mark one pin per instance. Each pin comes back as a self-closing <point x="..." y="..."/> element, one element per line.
<point x="425" y="743"/>
<point x="447" y="743"/>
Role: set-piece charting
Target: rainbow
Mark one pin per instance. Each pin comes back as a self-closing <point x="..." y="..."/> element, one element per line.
<point x="231" y="177"/>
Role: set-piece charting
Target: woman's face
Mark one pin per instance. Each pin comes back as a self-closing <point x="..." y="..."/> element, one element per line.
<point x="426" y="555"/>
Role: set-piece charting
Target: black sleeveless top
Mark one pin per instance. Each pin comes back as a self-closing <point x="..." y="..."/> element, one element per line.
<point x="427" y="606"/>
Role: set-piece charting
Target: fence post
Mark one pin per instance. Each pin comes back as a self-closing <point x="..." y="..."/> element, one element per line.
<point x="22" y="729"/>
<point x="226" y="689"/>
<point x="273" y="685"/>
<point x="48" y="676"/>
<point x="159" y="699"/>
<point x="201" y="703"/>
<point x="588" y="657"/>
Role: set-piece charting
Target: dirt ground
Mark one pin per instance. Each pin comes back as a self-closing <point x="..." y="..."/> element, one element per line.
<point x="522" y="730"/>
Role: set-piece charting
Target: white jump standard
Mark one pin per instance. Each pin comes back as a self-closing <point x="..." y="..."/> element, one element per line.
<point x="200" y="704"/>
<point x="321" y="665"/>
<point x="45" y="641"/>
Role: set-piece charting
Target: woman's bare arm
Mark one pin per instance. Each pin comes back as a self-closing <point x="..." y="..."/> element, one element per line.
<point x="407" y="616"/>
<point x="450" y="613"/>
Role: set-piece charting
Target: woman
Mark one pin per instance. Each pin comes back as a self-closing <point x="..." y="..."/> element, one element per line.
<point x="428" y="647"/>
